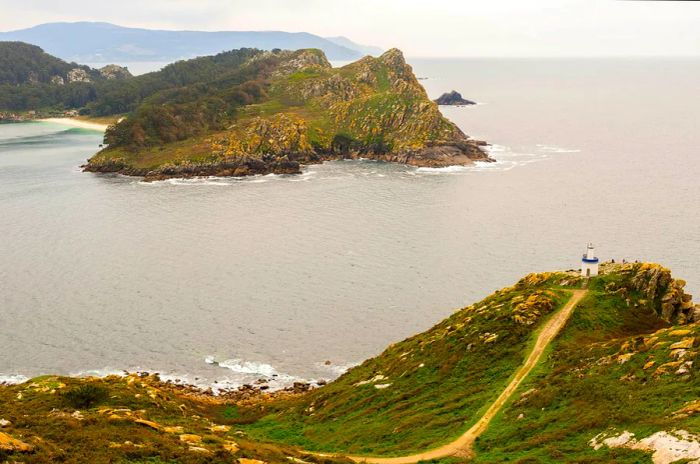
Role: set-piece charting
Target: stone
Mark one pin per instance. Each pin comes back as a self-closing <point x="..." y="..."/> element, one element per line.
<point x="173" y="429"/>
<point x="250" y="461"/>
<point x="231" y="446"/>
<point x="199" y="449"/>
<point x="220" y="428"/>
<point x="148" y="423"/>
<point x="190" y="438"/>
<point x="680" y="332"/>
<point x="11" y="444"/>
<point x="5" y="423"/>
<point x="684" y="344"/>
<point x="623" y="358"/>
<point x="649" y="365"/>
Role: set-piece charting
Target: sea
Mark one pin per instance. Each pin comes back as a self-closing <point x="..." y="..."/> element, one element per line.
<point x="221" y="282"/>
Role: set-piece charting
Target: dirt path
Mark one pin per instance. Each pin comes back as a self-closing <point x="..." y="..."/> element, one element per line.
<point x="462" y="445"/>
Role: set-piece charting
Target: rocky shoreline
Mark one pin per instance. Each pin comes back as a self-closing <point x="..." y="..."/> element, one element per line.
<point x="461" y="153"/>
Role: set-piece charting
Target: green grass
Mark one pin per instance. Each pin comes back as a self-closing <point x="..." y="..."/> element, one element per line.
<point x="104" y="430"/>
<point x="575" y="395"/>
<point x="440" y="383"/>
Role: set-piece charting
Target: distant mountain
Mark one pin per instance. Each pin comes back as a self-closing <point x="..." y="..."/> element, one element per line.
<point x="364" y="49"/>
<point x="104" y="42"/>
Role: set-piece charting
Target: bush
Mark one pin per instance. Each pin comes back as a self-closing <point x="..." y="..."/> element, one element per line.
<point x="85" y="396"/>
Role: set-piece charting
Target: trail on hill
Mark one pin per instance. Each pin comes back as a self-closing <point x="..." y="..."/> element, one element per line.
<point x="462" y="445"/>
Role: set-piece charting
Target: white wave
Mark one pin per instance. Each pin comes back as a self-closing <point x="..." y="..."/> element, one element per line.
<point x="98" y="373"/>
<point x="247" y="367"/>
<point x="443" y="170"/>
<point x="556" y="149"/>
<point x="12" y="379"/>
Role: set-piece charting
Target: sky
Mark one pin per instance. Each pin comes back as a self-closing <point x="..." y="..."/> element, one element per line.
<point x="438" y="28"/>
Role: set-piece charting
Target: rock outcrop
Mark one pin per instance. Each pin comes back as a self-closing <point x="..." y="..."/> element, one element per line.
<point x="453" y="98"/>
<point x="658" y="287"/>
<point x="115" y="72"/>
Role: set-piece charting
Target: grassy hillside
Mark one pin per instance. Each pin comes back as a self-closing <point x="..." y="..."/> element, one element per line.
<point x="123" y="420"/>
<point x="625" y="363"/>
<point x="614" y="368"/>
<point x="425" y="391"/>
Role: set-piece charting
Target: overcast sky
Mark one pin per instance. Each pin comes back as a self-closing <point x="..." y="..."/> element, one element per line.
<point x="420" y="28"/>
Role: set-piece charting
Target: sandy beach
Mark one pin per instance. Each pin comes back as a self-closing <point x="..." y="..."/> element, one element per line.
<point x="72" y="122"/>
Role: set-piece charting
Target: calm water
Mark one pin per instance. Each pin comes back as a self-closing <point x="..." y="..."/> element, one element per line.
<point x="276" y="275"/>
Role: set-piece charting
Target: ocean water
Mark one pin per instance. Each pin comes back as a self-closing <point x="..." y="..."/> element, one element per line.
<point x="230" y="280"/>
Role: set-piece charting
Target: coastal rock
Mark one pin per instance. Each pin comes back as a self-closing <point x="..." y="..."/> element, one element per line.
<point x="453" y="98"/>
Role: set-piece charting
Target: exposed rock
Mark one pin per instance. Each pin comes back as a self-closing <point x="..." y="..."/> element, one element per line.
<point x="231" y="447"/>
<point x="5" y="423"/>
<point x="686" y="343"/>
<point x="115" y="72"/>
<point x="667" y="447"/>
<point x="78" y="75"/>
<point x="11" y="444"/>
<point x="453" y="98"/>
<point x="190" y="438"/>
<point x="199" y="449"/>
<point x="220" y="428"/>
<point x="657" y="285"/>
<point x="148" y="423"/>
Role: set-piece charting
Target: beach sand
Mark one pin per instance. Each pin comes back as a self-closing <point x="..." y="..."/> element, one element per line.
<point x="77" y="123"/>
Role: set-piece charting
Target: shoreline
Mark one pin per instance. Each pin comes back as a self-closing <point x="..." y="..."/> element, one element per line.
<point x="76" y="123"/>
<point x="257" y="388"/>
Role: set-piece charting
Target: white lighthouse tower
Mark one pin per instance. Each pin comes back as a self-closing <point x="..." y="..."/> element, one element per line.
<point x="589" y="263"/>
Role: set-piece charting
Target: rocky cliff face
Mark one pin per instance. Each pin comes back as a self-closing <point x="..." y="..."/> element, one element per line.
<point x="374" y="108"/>
<point x="657" y="287"/>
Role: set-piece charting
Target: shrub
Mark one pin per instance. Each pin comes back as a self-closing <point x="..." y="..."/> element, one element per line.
<point x="85" y="396"/>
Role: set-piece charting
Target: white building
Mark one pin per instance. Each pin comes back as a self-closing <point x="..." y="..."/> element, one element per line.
<point x="589" y="263"/>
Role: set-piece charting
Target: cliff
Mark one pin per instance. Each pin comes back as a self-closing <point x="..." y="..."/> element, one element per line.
<point x="303" y="111"/>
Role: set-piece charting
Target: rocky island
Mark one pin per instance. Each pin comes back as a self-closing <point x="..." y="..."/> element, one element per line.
<point x="272" y="112"/>
<point x="453" y="98"/>
<point x="619" y="383"/>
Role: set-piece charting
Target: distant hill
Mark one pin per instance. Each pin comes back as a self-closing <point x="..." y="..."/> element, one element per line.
<point x="22" y="63"/>
<point x="363" y="49"/>
<point x="104" y="42"/>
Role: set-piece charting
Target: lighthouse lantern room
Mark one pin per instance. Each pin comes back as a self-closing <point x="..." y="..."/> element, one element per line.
<point x="589" y="263"/>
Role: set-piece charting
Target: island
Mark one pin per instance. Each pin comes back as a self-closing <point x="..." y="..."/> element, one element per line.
<point x="453" y="98"/>
<point x="604" y="368"/>
<point x="239" y="113"/>
<point x="273" y="112"/>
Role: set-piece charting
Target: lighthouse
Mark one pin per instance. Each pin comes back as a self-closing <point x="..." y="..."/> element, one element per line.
<point x="589" y="263"/>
